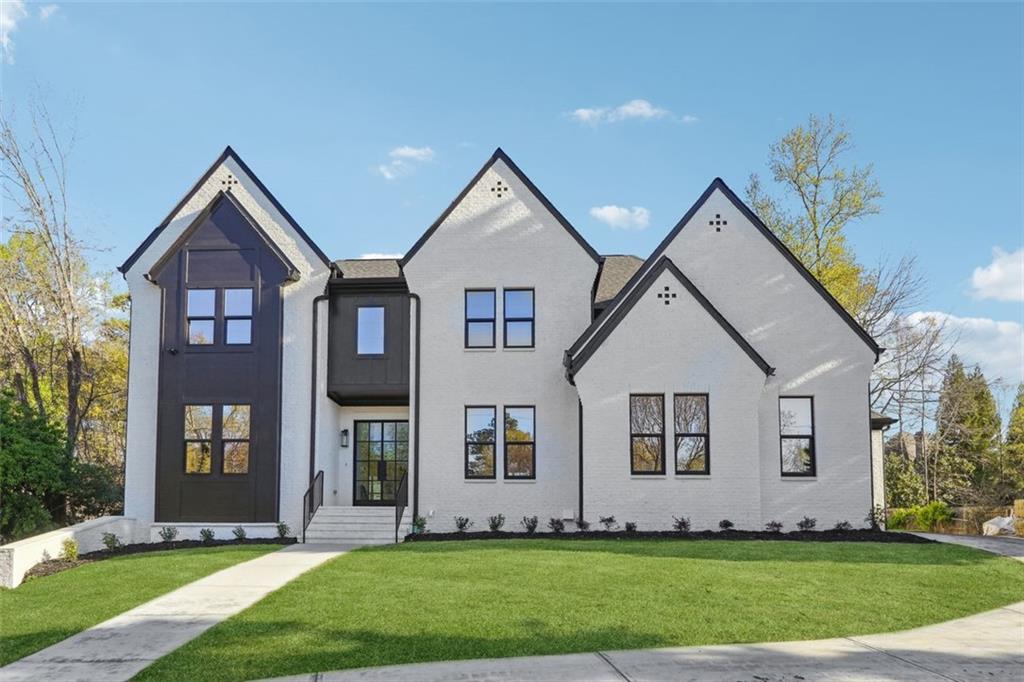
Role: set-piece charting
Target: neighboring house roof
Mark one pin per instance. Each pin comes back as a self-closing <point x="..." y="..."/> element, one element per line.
<point x="880" y="421"/>
<point x="615" y="272"/>
<point x="576" y="361"/>
<point x="227" y="153"/>
<point x="720" y="185"/>
<point x="368" y="268"/>
<point x="499" y="154"/>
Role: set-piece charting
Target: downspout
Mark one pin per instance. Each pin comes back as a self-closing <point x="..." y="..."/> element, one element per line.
<point x="312" y="389"/>
<point x="416" y="416"/>
<point x="581" y="456"/>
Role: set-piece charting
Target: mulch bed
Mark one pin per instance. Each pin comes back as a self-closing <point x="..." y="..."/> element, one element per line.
<point x="57" y="565"/>
<point x="856" y="535"/>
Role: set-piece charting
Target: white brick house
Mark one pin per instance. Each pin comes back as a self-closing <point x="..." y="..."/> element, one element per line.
<point x="501" y="366"/>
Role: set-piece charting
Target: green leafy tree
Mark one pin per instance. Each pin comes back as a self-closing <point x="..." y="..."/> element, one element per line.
<point x="903" y="484"/>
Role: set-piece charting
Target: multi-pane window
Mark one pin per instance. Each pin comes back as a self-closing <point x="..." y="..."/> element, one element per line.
<point x="691" y="432"/>
<point x="480" y="318"/>
<point x="647" y="434"/>
<point x="237" y="316"/>
<point x="796" y="426"/>
<point x="370" y="330"/>
<point x="519" y="442"/>
<point x="235" y="427"/>
<point x="201" y="313"/>
<point x="198" y="439"/>
<point x="518" y="311"/>
<point x="480" y="442"/>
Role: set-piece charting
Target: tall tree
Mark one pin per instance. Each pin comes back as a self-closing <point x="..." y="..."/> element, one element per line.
<point x="1013" y="447"/>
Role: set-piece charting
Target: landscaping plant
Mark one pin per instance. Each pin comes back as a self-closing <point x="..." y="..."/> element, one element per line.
<point x="419" y="524"/>
<point x="806" y="523"/>
<point x="239" y="533"/>
<point x="681" y="524"/>
<point x="608" y="522"/>
<point x="462" y="523"/>
<point x="495" y="522"/>
<point x="773" y="526"/>
<point x="843" y="526"/>
<point x="111" y="541"/>
<point x="530" y="524"/>
<point x="69" y="550"/>
<point x="206" y="535"/>
<point x="168" y="533"/>
<point x="630" y="526"/>
<point x="725" y="524"/>
<point x="283" y="529"/>
<point x="556" y="525"/>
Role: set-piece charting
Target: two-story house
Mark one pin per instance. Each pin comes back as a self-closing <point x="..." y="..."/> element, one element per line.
<point x="502" y="366"/>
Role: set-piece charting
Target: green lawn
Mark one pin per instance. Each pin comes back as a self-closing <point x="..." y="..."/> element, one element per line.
<point x="457" y="600"/>
<point x="46" y="610"/>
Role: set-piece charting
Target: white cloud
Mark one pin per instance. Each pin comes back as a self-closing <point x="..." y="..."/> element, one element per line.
<point x="404" y="160"/>
<point x="47" y="11"/>
<point x="997" y="346"/>
<point x="378" y="256"/>
<point x="1002" y="279"/>
<point x="636" y="109"/>
<point x="11" y="13"/>
<point x="621" y="218"/>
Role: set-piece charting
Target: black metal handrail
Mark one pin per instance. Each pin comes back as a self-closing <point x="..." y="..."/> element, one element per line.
<point x="312" y="501"/>
<point x="401" y="501"/>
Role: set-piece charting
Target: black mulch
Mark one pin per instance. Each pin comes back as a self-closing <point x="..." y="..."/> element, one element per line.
<point x="856" y="535"/>
<point x="57" y="565"/>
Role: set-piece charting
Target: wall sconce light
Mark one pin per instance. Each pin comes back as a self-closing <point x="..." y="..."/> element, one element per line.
<point x="344" y="438"/>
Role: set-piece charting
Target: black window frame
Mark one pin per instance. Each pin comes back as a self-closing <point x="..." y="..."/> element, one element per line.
<point x="660" y="436"/>
<point x="531" y="319"/>
<point x="468" y="320"/>
<point x="531" y="443"/>
<point x="813" y="472"/>
<point x="209" y="441"/>
<point x="227" y="318"/>
<point x="225" y="441"/>
<point x="383" y="331"/>
<point x="466" y="442"/>
<point x="211" y="318"/>
<point x="676" y="435"/>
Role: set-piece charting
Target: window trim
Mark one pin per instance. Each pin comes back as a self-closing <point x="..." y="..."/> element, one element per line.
<point x="211" y="318"/>
<point x="467" y="319"/>
<point x="814" y="449"/>
<point x="465" y="442"/>
<point x="661" y="436"/>
<point x="228" y="318"/>
<point x="706" y="435"/>
<point x="383" y="330"/>
<point x="532" y="443"/>
<point x="532" y="319"/>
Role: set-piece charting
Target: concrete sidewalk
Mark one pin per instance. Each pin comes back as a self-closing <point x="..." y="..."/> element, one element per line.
<point x="119" y="648"/>
<point x="987" y="646"/>
<point x="1006" y="545"/>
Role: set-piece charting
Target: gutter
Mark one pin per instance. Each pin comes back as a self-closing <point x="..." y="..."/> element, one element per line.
<point x="312" y="389"/>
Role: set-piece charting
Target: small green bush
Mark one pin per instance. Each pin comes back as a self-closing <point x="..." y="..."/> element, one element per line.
<point x="773" y="526"/>
<point x="807" y="523"/>
<point x="239" y="533"/>
<point x="496" y="522"/>
<point x="726" y="524"/>
<point x="111" y="541"/>
<point x="556" y="525"/>
<point x="206" y="535"/>
<point x="901" y="519"/>
<point x="933" y="515"/>
<point x="608" y="522"/>
<point x="168" y="533"/>
<point x="69" y="550"/>
<point x="419" y="524"/>
<point x="530" y="524"/>
<point x="843" y="526"/>
<point x="630" y="526"/>
<point x="681" y="524"/>
<point x="283" y="529"/>
<point x="462" y="523"/>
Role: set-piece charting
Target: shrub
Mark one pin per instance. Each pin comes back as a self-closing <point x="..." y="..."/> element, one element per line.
<point x="69" y="550"/>
<point x="530" y="524"/>
<point x="206" y="535"/>
<point x="773" y="526"/>
<point x="111" y="542"/>
<point x="582" y="525"/>
<point x="875" y="517"/>
<point x="843" y="526"/>
<point x="725" y="524"/>
<point x="933" y="515"/>
<point x="681" y="524"/>
<point x="806" y="523"/>
<point x="239" y="533"/>
<point x="462" y="523"/>
<point x="901" y="519"/>
<point x="496" y="522"/>
<point x="630" y="526"/>
<point x="556" y="525"/>
<point x="283" y="529"/>
<point x="608" y="522"/>
<point x="168" y="533"/>
<point x="419" y="524"/>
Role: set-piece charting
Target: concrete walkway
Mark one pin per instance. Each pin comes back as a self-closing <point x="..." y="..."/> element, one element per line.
<point x="119" y="648"/>
<point x="987" y="646"/>
<point x="997" y="544"/>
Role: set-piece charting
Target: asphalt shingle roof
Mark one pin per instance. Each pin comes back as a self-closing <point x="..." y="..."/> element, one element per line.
<point x="368" y="268"/>
<point x="615" y="272"/>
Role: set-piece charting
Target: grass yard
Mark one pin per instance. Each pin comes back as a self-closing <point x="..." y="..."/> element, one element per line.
<point x="459" y="600"/>
<point x="45" y="610"/>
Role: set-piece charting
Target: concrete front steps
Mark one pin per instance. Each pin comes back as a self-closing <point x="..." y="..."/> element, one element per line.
<point x="356" y="525"/>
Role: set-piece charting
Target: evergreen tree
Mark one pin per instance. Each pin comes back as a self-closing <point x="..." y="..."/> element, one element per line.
<point x="953" y="463"/>
<point x="1013" y="448"/>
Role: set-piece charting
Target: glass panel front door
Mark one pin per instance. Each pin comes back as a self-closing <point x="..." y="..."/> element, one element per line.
<point x="381" y="459"/>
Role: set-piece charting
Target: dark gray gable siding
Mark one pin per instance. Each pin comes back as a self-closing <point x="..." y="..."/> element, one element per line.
<point x="228" y="152"/>
<point x="619" y="313"/>
<point x="719" y="184"/>
<point x="499" y="154"/>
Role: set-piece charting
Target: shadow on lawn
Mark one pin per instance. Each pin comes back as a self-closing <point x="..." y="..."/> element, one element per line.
<point x="799" y="552"/>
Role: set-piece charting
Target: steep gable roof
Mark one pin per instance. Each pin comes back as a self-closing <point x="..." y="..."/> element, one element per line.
<point x="226" y="154"/>
<point x="719" y="184"/>
<point x="496" y="156"/>
<point x="576" y="361"/>
<point x="615" y="272"/>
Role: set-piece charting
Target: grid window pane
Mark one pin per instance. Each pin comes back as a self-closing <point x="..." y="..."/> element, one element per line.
<point x="797" y="456"/>
<point x="238" y="302"/>
<point x="235" y="424"/>
<point x="479" y="305"/>
<point x="197" y="457"/>
<point x="646" y="414"/>
<point x="519" y="460"/>
<point x="480" y="334"/>
<point x="795" y="416"/>
<point x="691" y="454"/>
<point x="480" y="460"/>
<point x="519" y="423"/>
<point x="370" y="330"/>
<point x="691" y="414"/>
<point x="646" y="454"/>
<point x="238" y="331"/>
<point x="480" y="424"/>
<point x="519" y="334"/>
<point x="201" y="303"/>
<point x="518" y="303"/>
<point x="200" y="332"/>
<point x="236" y="457"/>
<point x="198" y="422"/>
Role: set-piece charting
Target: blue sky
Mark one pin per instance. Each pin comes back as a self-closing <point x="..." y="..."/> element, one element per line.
<point x="365" y="121"/>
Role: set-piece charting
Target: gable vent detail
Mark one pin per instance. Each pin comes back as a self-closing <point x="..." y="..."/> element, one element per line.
<point x="500" y="189"/>
<point x="667" y="295"/>
<point x="229" y="182"/>
<point x="718" y="222"/>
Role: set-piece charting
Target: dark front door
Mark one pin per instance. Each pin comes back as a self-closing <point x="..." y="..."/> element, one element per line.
<point x="381" y="459"/>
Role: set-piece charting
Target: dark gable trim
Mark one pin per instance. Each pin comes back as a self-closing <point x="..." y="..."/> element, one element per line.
<point x="719" y="184"/>
<point x="499" y="154"/>
<point x="619" y="313"/>
<point x="293" y="272"/>
<point x="227" y="153"/>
